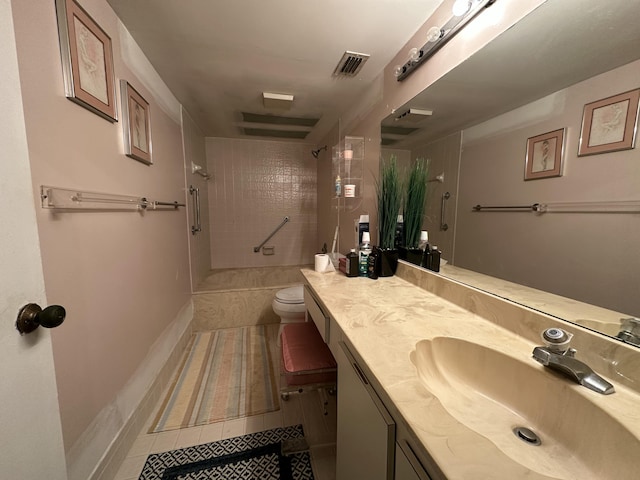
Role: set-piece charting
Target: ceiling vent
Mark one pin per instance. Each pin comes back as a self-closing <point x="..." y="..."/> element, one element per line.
<point x="350" y="64"/>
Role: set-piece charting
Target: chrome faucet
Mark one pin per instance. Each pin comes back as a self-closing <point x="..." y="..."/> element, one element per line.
<point x="630" y="331"/>
<point x="557" y="355"/>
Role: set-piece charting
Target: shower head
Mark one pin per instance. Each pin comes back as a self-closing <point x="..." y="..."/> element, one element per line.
<point x="316" y="152"/>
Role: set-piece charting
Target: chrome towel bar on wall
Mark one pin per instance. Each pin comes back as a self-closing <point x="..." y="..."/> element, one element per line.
<point x="622" y="206"/>
<point x="66" y="199"/>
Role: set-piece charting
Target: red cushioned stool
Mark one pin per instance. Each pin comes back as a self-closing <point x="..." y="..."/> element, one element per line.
<point x="307" y="363"/>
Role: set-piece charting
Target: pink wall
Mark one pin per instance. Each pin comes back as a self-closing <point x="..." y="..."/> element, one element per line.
<point x="122" y="276"/>
<point x="255" y="184"/>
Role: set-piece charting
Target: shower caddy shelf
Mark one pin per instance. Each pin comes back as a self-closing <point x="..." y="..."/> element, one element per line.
<point x="350" y="170"/>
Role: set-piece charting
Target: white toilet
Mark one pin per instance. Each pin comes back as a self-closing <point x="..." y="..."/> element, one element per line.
<point x="289" y="305"/>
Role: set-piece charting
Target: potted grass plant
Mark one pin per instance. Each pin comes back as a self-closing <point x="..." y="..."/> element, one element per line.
<point x="415" y="191"/>
<point x="389" y="203"/>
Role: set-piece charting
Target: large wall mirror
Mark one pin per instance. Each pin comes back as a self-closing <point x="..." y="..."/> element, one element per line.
<point x="529" y="85"/>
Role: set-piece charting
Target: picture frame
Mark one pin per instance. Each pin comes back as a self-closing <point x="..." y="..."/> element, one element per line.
<point x="136" y="124"/>
<point x="545" y="155"/>
<point x="610" y="124"/>
<point x="87" y="60"/>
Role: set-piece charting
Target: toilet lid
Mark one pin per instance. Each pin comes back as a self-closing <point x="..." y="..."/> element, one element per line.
<point x="291" y="295"/>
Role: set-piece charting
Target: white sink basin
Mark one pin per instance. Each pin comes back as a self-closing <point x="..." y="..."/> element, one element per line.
<point x="492" y="393"/>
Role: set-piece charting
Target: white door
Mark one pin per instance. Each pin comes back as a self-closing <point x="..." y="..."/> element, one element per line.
<point x="31" y="445"/>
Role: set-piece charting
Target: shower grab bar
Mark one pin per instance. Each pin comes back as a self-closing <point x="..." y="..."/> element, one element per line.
<point x="622" y="206"/>
<point x="443" y="209"/>
<point x="67" y="199"/>
<point x="257" y="249"/>
<point x="195" y="198"/>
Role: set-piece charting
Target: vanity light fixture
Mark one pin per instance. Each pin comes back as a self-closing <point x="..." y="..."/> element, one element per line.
<point x="463" y="12"/>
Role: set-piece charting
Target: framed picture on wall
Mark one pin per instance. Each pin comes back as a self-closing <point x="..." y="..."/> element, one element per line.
<point x="544" y="155"/>
<point x="87" y="60"/>
<point x="609" y="125"/>
<point x="136" y="124"/>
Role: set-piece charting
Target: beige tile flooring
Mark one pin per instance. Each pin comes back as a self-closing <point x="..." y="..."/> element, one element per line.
<point x="304" y="408"/>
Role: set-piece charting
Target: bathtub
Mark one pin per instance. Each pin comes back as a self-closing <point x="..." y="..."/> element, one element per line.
<point x="233" y="297"/>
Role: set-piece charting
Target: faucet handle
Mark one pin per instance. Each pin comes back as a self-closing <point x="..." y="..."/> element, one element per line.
<point x="558" y="340"/>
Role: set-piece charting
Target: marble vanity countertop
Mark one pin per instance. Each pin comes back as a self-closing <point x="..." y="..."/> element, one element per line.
<point x="384" y="319"/>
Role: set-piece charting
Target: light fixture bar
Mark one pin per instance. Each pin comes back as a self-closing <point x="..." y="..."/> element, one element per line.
<point x="438" y="37"/>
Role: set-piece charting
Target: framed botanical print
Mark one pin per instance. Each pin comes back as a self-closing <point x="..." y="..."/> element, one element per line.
<point x="544" y="155"/>
<point x="87" y="60"/>
<point x="136" y="124"/>
<point x="610" y="124"/>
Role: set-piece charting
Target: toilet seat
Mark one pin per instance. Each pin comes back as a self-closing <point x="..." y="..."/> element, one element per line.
<point x="291" y="295"/>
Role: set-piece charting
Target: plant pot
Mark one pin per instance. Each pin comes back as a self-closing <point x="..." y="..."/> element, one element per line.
<point x="388" y="262"/>
<point x="415" y="256"/>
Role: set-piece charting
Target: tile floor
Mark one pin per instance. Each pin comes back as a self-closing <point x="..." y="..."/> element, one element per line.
<point x="304" y="408"/>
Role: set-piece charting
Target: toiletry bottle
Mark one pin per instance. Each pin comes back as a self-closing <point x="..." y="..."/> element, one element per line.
<point x="365" y="250"/>
<point x="434" y="259"/>
<point x="338" y="186"/>
<point x="423" y="245"/>
<point x="352" y="264"/>
<point x="373" y="264"/>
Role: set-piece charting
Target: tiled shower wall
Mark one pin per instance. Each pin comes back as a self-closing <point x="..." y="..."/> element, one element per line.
<point x="254" y="185"/>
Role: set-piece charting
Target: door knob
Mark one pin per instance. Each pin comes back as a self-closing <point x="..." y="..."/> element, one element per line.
<point x="31" y="316"/>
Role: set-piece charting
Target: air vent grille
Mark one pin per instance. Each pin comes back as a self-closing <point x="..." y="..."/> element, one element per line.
<point x="350" y="64"/>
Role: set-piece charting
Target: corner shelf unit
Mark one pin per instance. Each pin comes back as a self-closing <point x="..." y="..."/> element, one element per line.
<point x="348" y="163"/>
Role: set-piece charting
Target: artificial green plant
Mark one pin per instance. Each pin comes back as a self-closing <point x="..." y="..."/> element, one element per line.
<point x="415" y="191"/>
<point x="389" y="201"/>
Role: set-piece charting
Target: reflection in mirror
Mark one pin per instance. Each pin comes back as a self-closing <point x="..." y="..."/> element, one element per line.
<point x="534" y="79"/>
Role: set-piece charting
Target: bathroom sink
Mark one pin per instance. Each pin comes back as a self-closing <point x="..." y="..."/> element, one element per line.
<point x="493" y="394"/>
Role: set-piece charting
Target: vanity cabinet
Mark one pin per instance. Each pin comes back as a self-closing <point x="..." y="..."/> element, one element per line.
<point x="408" y="466"/>
<point x="316" y="313"/>
<point x="366" y="431"/>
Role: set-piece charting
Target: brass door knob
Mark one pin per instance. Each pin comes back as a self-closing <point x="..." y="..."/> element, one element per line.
<point x="31" y="316"/>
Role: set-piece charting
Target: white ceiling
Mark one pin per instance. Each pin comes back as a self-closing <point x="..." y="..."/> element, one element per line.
<point x="217" y="57"/>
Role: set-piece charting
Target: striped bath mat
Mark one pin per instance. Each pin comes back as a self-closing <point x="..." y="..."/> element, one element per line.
<point x="225" y="374"/>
